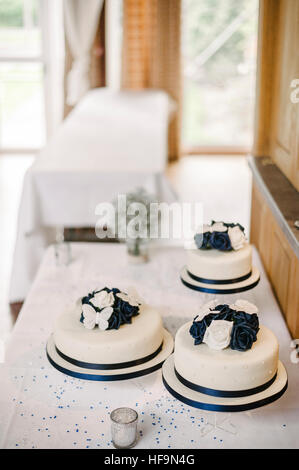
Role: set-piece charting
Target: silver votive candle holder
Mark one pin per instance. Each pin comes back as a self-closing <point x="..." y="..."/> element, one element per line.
<point x="124" y="427"/>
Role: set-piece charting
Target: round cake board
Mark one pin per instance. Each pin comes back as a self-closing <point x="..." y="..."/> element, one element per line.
<point x="110" y="375"/>
<point x="211" y="403"/>
<point x="242" y="286"/>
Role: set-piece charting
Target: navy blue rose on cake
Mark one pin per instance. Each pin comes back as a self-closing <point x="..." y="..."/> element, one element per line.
<point x="222" y="325"/>
<point x="108" y="309"/>
<point x="220" y="236"/>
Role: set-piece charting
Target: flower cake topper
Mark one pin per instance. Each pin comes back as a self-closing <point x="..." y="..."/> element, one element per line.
<point x="221" y="326"/>
<point x="221" y="236"/>
<point x="108" y="309"/>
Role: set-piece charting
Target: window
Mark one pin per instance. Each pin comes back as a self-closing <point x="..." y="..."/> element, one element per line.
<point x="22" y="116"/>
<point x="219" y="65"/>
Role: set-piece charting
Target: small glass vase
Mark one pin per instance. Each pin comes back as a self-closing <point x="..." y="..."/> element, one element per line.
<point x="137" y="250"/>
<point x="62" y="249"/>
<point x="124" y="428"/>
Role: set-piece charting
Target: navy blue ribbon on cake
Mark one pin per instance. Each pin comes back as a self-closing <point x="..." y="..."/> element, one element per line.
<point x="116" y="365"/>
<point x="234" y="290"/>
<point x="104" y="378"/>
<point x="222" y="281"/>
<point x="225" y="407"/>
<point x="224" y="393"/>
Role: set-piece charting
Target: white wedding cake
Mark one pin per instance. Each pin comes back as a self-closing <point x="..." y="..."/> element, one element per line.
<point x="225" y="361"/>
<point x="225" y="349"/>
<point x="109" y="335"/>
<point x="220" y="261"/>
<point x="109" y="327"/>
<point x="220" y="265"/>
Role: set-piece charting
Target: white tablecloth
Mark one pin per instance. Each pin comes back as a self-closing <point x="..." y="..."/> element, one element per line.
<point x="42" y="408"/>
<point x="112" y="143"/>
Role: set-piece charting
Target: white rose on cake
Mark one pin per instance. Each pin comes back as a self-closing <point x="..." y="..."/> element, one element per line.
<point x="218" y="334"/>
<point x="205" y="228"/>
<point x="131" y="297"/>
<point x="244" y="306"/>
<point x="218" y="227"/>
<point x="103" y="299"/>
<point x="206" y="309"/>
<point x="237" y="237"/>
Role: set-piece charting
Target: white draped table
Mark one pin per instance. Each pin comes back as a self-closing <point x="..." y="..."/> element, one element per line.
<point x="43" y="408"/>
<point x="110" y="144"/>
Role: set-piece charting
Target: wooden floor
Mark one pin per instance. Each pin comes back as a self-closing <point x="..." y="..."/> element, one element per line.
<point x="221" y="183"/>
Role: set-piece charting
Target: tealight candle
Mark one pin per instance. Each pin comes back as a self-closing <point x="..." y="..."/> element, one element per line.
<point x="124" y="427"/>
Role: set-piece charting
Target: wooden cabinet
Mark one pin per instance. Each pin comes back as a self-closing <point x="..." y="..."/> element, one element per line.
<point x="295" y="178"/>
<point x="293" y="302"/>
<point x="280" y="264"/>
<point x="260" y="219"/>
<point x="279" y="259"/>
<point x="277" y="117"/>
<point x="285" y="126"/>
<point x="277" y="138"/>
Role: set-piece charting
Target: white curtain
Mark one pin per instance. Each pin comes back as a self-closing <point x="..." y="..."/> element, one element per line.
<point x="81" y="21"/>
<point x="53" y="54"/>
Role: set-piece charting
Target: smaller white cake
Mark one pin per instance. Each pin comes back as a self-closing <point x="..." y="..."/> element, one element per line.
<point x="220" y="265"/>
<point x="220" y="260"/>
<point x="225" y="350"/>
